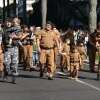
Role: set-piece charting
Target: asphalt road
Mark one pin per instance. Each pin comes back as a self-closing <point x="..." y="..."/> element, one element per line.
<point x="30" y="87"/>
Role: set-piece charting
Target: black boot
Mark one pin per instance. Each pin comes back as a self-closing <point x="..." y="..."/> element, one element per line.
<point x="62" y="69"/>
<point x="41" y="73"/>
<point x="41" y="70"/>
<point x="50" y="78"/>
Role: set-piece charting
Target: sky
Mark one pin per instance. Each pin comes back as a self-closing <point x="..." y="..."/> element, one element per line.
<point x="11" y="1"/>
<point x="1" y="2"/>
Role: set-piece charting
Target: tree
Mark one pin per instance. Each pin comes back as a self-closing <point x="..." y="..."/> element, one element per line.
<point x="8" y="10"/>
<point x="4" y="10"/>
<point x="15" y="13"/>
<point x="1" y="13"/>
<point x="44" y="11"/>
<point x="93" y="15"/>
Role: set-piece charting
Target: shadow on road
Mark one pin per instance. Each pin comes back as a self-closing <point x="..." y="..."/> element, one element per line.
<point x="28" y="76"/>
<point x="88" y="78"/>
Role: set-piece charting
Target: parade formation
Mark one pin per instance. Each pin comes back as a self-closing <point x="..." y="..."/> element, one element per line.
<point x="47" y="49"/>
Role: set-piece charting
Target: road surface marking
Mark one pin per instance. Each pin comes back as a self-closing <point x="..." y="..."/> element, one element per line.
<point x="89" y="85"/>
<point x="61" y="73"/>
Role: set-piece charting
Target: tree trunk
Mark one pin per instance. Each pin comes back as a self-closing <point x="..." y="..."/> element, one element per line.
<point x="15" y="8"/>
<point x="93" y="15"/>
<point x="44" y="12"/>
<point x="8" y="10"/>
<point x="4" y="11"/>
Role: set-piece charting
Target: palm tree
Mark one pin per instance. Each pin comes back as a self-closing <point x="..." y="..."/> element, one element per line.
<point x="93" y="15"/>
<point x="44" y="11"/>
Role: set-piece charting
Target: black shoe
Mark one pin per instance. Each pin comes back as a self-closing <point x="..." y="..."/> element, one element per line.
<point x="13" y="79"/>
<point x="31" y="69"/>
<point x="50" y="78"/>
<point x="62" y="70"/>
<point x="41" y="74"/>
<point x="24" y="69"/>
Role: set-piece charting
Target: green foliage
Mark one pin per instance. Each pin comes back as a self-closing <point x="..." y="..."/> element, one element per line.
<point x="1" y="13"/>
<point x="97" y="57"/>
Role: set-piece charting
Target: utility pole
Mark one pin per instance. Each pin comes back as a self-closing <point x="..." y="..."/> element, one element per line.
<point x="4" y="11"/>
<point x="44" y="12"/>
<point x="93" y="15"/>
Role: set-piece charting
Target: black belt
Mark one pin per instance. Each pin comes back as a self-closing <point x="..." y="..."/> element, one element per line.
<point x="74" y="61"/>
<point x="47" y="48"/>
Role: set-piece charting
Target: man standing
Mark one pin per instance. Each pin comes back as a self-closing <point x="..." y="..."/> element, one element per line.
<point x="33" y="45"/>
<point x="65" y="58"/>
<point x="11" y="41"/>
<point x="46" y="41"/>
<point x="75" y="61"/>
<point x="91" y="48"/>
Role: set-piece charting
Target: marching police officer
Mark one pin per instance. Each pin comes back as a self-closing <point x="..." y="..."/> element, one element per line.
<point x="46" y="41"/>
<point x="75" y="61"/>
<point x="65" y="58"/>
<point x="27" y="41"/>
